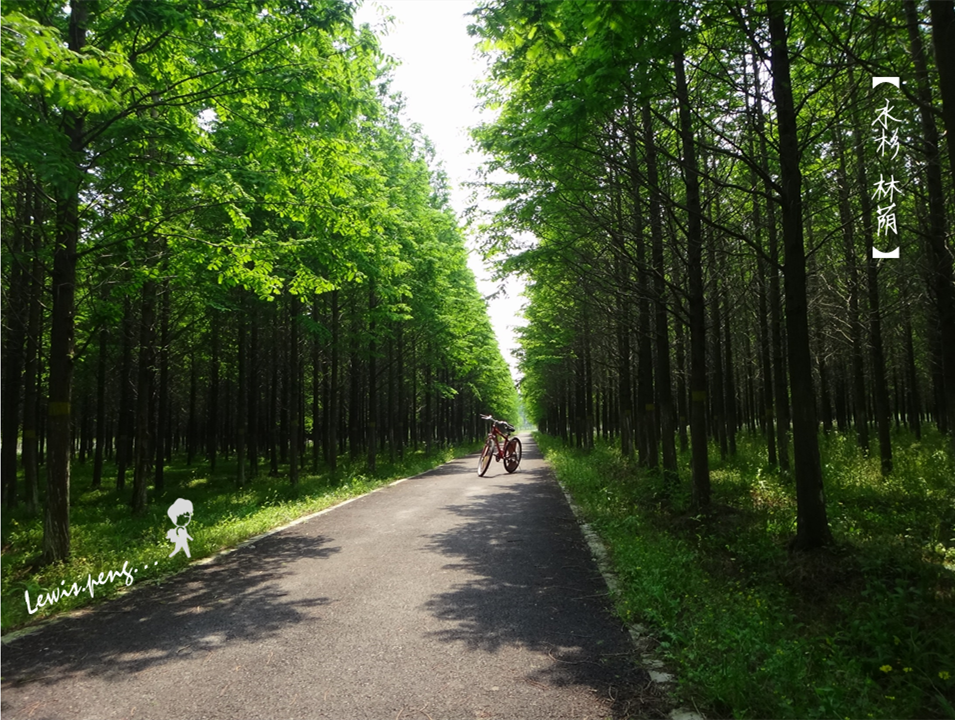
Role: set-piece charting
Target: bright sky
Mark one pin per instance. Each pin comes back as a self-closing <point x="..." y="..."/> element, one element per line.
<point x="438" y="69"/>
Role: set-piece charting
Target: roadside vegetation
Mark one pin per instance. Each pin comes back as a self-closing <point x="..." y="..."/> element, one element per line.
<point x="105" y="534"/>
<point x="863" y="629"/>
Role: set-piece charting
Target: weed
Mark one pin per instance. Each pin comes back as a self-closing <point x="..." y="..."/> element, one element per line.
<point x="864" y="629"/>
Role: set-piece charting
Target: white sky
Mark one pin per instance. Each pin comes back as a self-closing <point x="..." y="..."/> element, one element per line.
<point x="437" y="71"/>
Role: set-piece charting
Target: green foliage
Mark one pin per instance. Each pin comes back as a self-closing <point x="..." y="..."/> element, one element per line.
<point x="235" y="164"/>
<point x="864" y="631"/>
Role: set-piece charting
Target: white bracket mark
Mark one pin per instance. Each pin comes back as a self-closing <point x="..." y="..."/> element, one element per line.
<point x="877" y="80"/>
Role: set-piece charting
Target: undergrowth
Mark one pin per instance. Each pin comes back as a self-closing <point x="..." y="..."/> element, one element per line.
<point x="864" y="629"/>
<point x="105" y="534"/>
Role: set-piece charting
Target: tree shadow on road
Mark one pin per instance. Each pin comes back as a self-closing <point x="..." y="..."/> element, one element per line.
<point x="536" y="586"/>
<point x="236" y="597"/>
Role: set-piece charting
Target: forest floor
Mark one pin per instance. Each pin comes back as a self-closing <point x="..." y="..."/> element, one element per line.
<point x="864" y="629"/>
<point x="105" y="534"/>
<point x="446" y="595"/>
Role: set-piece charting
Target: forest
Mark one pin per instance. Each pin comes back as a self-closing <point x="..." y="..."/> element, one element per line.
<point x="702" y="258"/>
<point x="221" y="244"/>
<point x="705" y="199"/>
<point x="230" y="264"/>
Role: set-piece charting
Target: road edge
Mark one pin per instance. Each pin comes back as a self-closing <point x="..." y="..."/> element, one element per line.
<point x="639" y="635"/>
<point x="14" y="635"/>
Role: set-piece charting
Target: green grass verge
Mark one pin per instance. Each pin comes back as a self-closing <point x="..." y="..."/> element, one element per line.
<point x="864" y="630"/>
<point x="105" y="534"/>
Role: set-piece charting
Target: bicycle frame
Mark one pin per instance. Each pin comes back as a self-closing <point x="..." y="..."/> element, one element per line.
<point x="499" y="449"/>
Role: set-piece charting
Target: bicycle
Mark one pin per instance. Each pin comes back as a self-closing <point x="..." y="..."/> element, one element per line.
<point x="509" y="452"/>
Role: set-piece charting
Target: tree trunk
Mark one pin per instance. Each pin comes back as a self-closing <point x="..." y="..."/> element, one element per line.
<point x="212" y="426"/>
<point x="855" y="321"/>
<point x="293" y="392"/>
<point x="100" y="408"/>
<point x="664" y="395"/>
<point x="273" y="417"/>
<point x="697" y="305"/>
<point x="332" y="419"/>
<point x="940" y="257"/>
<point x="14" y="337"/>
<point x="354" y="408"/>
<point x="147" y="370"/>
<point x="729" y="385"/>
<point x="56" y="527"/>
<point x="769" y="421"/>
<point x="812" y="525"/>
<point x="372" y="383"/>
<point x="31" y="394"/>
<point x="191" y="429"/>
<point x="253" y="426"/>
<point x="716" y="356"/>
<point x="162" y="419"/>
<point x="242" y="402"/>
<point x="126" y="411"/>
<point x="943" y="40"/>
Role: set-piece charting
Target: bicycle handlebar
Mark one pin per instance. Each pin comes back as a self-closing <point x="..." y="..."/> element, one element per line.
<point x="502" y="425"/>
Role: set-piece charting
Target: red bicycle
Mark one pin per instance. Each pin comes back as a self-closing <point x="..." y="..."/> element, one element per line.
<point x="509" y="452"/>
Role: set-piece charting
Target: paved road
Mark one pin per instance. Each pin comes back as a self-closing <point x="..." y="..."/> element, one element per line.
<point x="444" y="596"/>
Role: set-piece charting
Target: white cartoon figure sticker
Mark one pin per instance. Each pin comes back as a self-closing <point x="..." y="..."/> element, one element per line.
<point x="180" y="512"/>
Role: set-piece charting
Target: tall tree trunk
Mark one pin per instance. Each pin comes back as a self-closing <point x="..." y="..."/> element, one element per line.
<point x="56" y="526"/>
<point x="126" y="410"/>
<point x="769" y="420"/>
<point x="253" y="426"/>
<point x="403" y="406"/>
<point x="31" y="374"/>
<point x="943" y="40"/>
<point x="716" y="356"/>
<point x="14" y="337"/>
<point x="242" y="402"/>
<point x="293" y="392"/>
<point x="100" y="408"/>
<point x="681" y="396"/>
<point x="855" y="320"/>
<point x="779" y="362"/>
<point x="162" y="419"/>
<point x="623" y="378"/>
<point x="147" y="371"/>
<point x="273" y="417"/>
<point x="372" y="383"/>
<point x="940" y="256"/>
<point x="729" y="384"/>
<point x="332" y="414"/>
<point x="697" y="303"/>
<point x="191" y="425"/>
<point x="354" y="407"/>
<point x="212" y="426"/>
<point x="812" y="525"/>
<point x="912" y="384"/>
<point x="664" y="394"/>
<point x="317" y="433"/>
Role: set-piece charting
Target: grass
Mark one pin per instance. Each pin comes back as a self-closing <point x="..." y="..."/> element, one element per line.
<point x="866" y="629"/>
<point x="105" y="534"/>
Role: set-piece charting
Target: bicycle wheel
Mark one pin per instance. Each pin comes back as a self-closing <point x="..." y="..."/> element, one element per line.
<point x="485" y="460"/>
<point x="512" y="456"/>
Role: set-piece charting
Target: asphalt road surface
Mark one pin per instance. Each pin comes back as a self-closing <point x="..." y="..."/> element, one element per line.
<point x="443" y="596"/>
